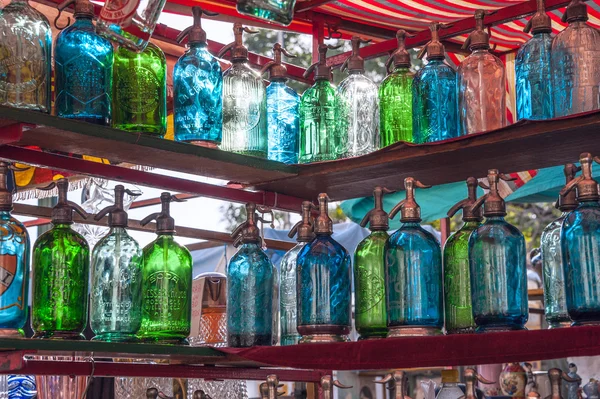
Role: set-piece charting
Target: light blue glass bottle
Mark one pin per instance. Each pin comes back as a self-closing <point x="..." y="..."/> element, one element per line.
<point x="283" y="111"/>
<point x="250" y="282"/>
<point x="83" y="63"/>
<point x="413" y="278"/>
<point x="324" y="284"/>
<point x="532" y="69"/>
<point x="435" y="101"/>
<point x="197" y="89"/>
<point x="497" y="261"/>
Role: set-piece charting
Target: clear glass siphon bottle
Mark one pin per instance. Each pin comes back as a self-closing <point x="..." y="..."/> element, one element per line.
<point x="116" y="291"/>
<point x="481" y="84"/>
<point x="497" y="262"/>
<point x="413" y="261"/>
<point x="283" y="111"/>
<point x="166" y="282"/>
<point x="197" y="89"/>
<point x="575" y="60"/>
<point x="450" y="388"/>
<point x="26" y="57"/>
<point x="395" y="97"/>
<point x="359" y="106"/>
<point x="280" y="12"/>
<point x="324" y="273"/>
<point x="61" y="268"/>
<point x="244" y="102"/>
<point x="533" y="71"/>
<point x="83" y="63"/>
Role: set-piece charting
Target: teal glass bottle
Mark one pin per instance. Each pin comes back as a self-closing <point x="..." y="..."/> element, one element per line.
<point x="61" y="268"/>
<point x="116" y="291"/>
<point x="83" y="63"/>
<point x="413" y="279"/>
<point x="250" y="282"/>
<point x="497" y="261"/>
<point x="369" y="273"/>
<point x="197" y="89"/>
<point x="280" y="12"/>
<point x="324" y="284"/>
<point x="166" y="282"/>
<point x="458" y="316"/>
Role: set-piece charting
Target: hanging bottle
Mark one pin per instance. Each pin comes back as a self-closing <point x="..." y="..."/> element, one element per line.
<point x="369" y="273"/>
<point x="413" y="261"/>
<point x="250" y="281"/>
<point x="435" y="105"/>
<point x="197" y="89"/>
<point x="324" y="284"/>
<point x="61" y="267"/>
<point x="532" y="69"/>
<point x="320" y="133"/>
<point x="497" y="262"/>
<point x="580" y="245"/>
<point x="244" y="102"/>
<point x="116" y="292"/>
<point x="283" y="111"/>
<point x="280" y="12"/>
<point x="481" y="84"/>
<point x="25" y="57"/>
<point x="457" y="284"/>
<point x="166" y="282"/>
<point x="359" y="105"/>
<point x="140" y="91"/>
<point x="395" y="96"/>
<point x="575" y="60"/>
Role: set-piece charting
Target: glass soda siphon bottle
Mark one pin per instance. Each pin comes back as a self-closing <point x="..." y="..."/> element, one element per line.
<point x="83" y="63"/>
<point x="61" y="270"/>
<point x="435" y="105"/>
<point x="413" y="261"/>
<point x="283" y="111"/>
<point x="369" y="273"/>
<point x="532" y="69"/>
<point x="481" y="84"/>
<point x="140" y="91"/>
<point x="395" y="97"/>
<point x="244" y="102"/>
<point x="458" y="317"/>
<point x="288" y="288"/>
<point x="280" y="12"/>
<point x="575" y="60"/>
<point x="250" y="282"/>
<point x="116" y="291"/>
<point x="321" y="138"/>
<point x="197" y="89"/>
<point x="497" y="261"/>
<point x="324" y="273"/>
<point x="26" y="57"/>
<point x="359" y="106"/>
<point x="166" y="282"/>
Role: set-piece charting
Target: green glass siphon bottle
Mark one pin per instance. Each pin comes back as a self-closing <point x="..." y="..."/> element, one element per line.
<point x="166" y="282"/>
<point x="61" y="267"/>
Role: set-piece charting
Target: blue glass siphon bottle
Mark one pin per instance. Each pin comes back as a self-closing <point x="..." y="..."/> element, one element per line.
<point x="435" y="102"/>
<point x="276" y="11"/>
<point x="324" y="284"/>
<point x="497" y="261"/>
<point x="83" y="62"/>
<point x="197" y="89"/>
<point x="250" y="282"/>
<point x="283" y="111"/>
<point x="532" y="69"/>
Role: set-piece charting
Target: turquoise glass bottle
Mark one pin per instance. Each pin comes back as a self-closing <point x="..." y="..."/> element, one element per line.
<point x="413" y="278"/>
<point x="435" y="103"/>
<point x="197" y="89"/>
<point x="497" y="261"/>
<point x="116" y="291"/>
<point x="280" y="12"/>
<point x="83" y="63"/>
<point x="250" y="282"/>
<point x="369" y="273"/>
<point x="324" y="284"/>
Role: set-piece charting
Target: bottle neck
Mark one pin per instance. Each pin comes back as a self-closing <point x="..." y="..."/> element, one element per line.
<point x="197" y="45"/>
<point x="118" y="230"/>
<point x="401" y="69"/>
<point x="61" y="225"/>
<point x="450" y="384"/>
<point x="494" y="219"/>
<point x="411" y="224"/>
<point x="480" y="51"/>
<point x="83" y="19"/>
<point x="356" y="72"/>
<point x="471" y="224"/>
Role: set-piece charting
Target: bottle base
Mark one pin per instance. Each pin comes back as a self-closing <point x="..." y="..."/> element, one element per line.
<point x="411" y="331"/>
<point x="202" y="143"/>
<point x="372" y="337"/>
<point x="323" y="333"/>
<point x="323" y="339"/>
<point x="59" y="335"/>
<point x="248" y="340"/>
<point x="290" y="340"/>
<point x="115" y="337"/>
<point x="463" y="330"/>
<point x="162" y="340"/>
<point x="147" y="130"/>
<point x="499" y="328"/>
<point x="11" y="333"/>
<point x="585" y="323"/>
<point x="258" y="154"/>
<point x="29" y="107"/>
<point x="560" y="324"/>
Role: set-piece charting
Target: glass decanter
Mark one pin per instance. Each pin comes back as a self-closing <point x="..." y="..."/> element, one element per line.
<point x="280" y="12"/>
<point x="209" y="310"/>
